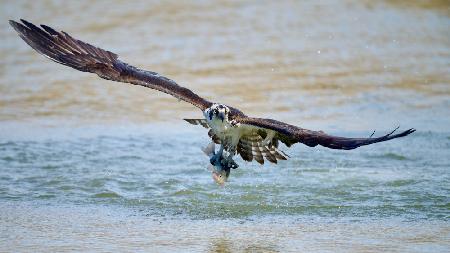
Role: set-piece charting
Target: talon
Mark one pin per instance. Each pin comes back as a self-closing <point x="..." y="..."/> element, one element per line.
<point x="229" y="163"/>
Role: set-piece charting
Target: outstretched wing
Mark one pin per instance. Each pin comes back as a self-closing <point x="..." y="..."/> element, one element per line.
<point x="251" y="145"/>
<point x="289" y="134"/>
<point x="62" y="48"/>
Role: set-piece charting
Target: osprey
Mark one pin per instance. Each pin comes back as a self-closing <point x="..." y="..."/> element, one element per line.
<point x="235" y="132"/>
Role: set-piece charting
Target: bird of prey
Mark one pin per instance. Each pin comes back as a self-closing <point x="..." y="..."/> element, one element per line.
<point x="236" y="133"/>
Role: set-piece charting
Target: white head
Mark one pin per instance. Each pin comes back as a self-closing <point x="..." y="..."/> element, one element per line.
<point x="218" y="112"/>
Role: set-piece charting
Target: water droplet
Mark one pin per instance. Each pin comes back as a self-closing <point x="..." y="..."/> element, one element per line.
<point x="318" y="51"/>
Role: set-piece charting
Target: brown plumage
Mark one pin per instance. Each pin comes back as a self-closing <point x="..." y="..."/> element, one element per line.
<point x="252" y="147"/>
<point x="62" y="48"/>
<point x="289" y="134"/>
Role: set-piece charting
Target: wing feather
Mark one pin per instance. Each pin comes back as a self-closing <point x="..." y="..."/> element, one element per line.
<point x="290" y="134"/>
<point x="251" y="147"/>
<point x="201" y="122"/>
<point x="64" y="49"/>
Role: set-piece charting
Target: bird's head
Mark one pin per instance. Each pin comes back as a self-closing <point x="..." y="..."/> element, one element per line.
<point x="218" y="111"/>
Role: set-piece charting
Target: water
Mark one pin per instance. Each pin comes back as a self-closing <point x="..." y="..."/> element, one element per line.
<point x="126" y="188"/>
<point x="166" y="175"/>
<point x="88" y="165"/>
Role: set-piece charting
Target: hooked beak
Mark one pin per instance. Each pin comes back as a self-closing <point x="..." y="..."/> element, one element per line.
<point x="210" y="115"/>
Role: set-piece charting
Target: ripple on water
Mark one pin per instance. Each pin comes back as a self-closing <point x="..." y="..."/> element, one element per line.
<point x="403" y="182"/>
<point x="390" y="156"/>
<point x="107" y="195"/>
<point x="361" y="183"/>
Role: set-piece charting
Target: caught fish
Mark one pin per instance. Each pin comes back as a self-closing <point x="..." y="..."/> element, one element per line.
<point x="219" y="168"/>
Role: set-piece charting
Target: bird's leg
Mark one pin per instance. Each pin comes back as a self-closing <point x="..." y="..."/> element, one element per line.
<point x="228" y="160"/>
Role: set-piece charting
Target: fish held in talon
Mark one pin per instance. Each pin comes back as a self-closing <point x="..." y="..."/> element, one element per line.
<point x="237" y="134"/>
<point x="219" y="176"/>
<point x="220" y="172"/>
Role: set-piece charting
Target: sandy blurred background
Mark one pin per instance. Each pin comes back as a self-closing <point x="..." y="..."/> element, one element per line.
<point x="333" y="65"/>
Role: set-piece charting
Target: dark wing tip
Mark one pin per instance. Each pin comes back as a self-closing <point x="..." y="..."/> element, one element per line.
<point x="12" y="22"/>
<point x="28" y="25"/>
<point x="25" y="22"/>
<point x="409" y="131"/>
<point x="15" y="25"/>
<point x="402" y="134"/>
<point x="25" y="27"/>
<point x="49" y="30"/>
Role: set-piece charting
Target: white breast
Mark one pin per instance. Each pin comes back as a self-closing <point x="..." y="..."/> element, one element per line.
<point x="220" y="128"/>
<point x="229" y="135"/>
